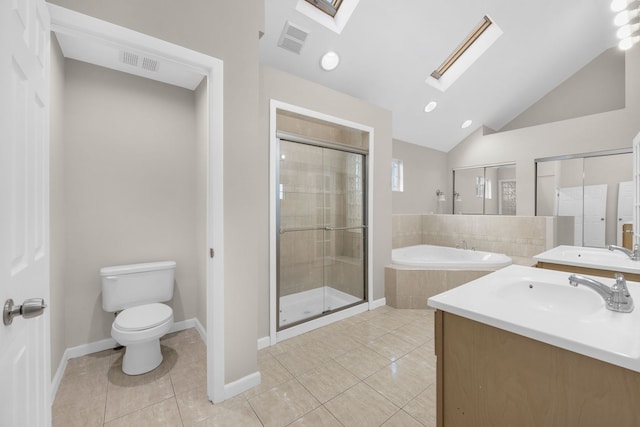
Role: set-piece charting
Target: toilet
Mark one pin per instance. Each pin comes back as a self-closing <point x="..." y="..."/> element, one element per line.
<point x="135" y="293"/>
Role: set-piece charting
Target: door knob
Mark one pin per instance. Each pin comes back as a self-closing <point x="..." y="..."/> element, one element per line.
<point x="32" y="307"/>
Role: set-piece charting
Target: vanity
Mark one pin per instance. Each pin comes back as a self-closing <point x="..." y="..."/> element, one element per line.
<point x="521" y="347"/>
<point x="589" y="261"/>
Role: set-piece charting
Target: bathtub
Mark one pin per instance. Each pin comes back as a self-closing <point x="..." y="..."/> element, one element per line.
<point x="432" y="257"/>
<point x="422" y="271"/>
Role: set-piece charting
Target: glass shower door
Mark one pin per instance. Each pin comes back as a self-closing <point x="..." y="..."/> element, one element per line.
<point x="322" y="239"/>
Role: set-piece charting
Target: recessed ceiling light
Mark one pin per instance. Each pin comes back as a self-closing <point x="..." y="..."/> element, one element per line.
<point x="625" y="16"/>
<point x="329" y="61"/>
<point x="618" y="5"/>
<point x="430" y="107"/>
<point x="466" y="124"/>
<point x="626" y="44"/>
<point x="627" y="30"/>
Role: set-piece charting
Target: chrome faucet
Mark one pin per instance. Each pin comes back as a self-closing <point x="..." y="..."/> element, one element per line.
<point x="633" y="255"/>
<point x="617" y="297"/>
<point x="463" y="243"/>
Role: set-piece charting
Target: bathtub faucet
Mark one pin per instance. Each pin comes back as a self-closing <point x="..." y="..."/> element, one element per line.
<point x="617" y="297"/>
<point x="633" y="255"/>
<point x="463" y="244"/>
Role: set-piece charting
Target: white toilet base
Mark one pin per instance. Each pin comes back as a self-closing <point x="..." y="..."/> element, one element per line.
<point x="141" y="358"/>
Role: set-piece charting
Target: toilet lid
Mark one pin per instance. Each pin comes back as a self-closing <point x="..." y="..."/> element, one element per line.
<point x="143" y="317"/>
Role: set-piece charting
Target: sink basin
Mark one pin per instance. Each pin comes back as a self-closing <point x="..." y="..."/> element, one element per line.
<point x="540" y="304"/>
<point x="600" y="258"/>
<point x="550" y="298"/>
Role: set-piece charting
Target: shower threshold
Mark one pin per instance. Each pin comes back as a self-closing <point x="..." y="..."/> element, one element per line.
<point x="306" y="304"/>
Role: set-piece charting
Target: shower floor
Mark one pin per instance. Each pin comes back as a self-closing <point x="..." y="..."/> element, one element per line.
<point x="296" y="307"/>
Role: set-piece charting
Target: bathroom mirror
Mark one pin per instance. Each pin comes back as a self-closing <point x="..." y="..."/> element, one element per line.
<point x="592" y="193"/>
<point x="485" y="190"/>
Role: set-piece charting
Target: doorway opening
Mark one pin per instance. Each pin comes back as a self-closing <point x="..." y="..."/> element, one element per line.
<point x="131" y="43"/>
<point x="320" y="220"/>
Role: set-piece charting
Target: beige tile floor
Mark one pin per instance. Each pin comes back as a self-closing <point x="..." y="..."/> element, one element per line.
<point x="373" y="369"/>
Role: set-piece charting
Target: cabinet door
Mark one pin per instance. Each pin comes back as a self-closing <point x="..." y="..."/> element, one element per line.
<point x="492" y="377"/>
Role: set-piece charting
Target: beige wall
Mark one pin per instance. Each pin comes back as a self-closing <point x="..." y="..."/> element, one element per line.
<point x="129" y="188"/>
<point x="57" y="207"/>
<point x="596" y="88"/>
<point x="425" y="171"/>
<point x="205" y="26"/>
<point x="293" y="90"/>
<point x="596" y="132"/>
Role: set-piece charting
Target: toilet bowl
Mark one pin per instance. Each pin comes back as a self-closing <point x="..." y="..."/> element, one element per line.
<point x="139" y="329"/>
<point x="136" y="293"/>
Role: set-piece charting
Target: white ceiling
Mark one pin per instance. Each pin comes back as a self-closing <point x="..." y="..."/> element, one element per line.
<point x="388" y="48"/>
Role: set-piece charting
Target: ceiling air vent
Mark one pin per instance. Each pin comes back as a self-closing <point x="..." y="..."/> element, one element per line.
<point x="292" y="37"/>
<point x="129" y="58"/>
<point x="136" y="60"/>
<point x="150" y="64"/>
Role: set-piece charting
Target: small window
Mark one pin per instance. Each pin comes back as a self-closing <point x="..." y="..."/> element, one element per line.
<point x="487" y="189"/>
<point x="397" y="178"/>
<point x="330" y="7"/>
<point x="479" y="186"/>
<point x="483" y="187"/>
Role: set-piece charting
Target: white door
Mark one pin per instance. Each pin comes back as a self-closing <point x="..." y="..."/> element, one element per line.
<point x="570" y="203"/>
<point x="595" y="215"/>
<point x="24" y="210"/>
<point x="625" y="207"/>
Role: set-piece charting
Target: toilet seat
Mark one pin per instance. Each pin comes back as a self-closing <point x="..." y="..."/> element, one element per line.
<point x="143" y="317"/>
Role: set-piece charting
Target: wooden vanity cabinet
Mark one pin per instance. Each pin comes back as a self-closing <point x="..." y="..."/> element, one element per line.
<point x="586" y="271"/>
<point x="490" y="377"/>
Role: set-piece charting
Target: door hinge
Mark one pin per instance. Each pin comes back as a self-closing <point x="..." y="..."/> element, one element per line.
<point x="211" y="252"/>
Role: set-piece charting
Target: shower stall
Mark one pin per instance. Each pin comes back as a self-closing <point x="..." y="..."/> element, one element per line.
<point x="321" y="220"/>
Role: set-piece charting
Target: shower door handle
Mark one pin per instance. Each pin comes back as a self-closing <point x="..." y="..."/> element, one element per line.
<point x="288" y="230"/>
<point x="326" y="228"/>
<point x="358" y="227"/>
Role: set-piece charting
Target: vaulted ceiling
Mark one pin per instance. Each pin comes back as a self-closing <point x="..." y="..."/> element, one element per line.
<point x="388" y="49"/>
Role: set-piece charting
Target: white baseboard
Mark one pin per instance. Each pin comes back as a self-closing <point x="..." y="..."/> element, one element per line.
<point x="264" y="342"/>
<point x="240" y="386"/>
<point x="78" y="351"/>
<point x="193" y="323"/>
<point x="108" y="343"/>
<point x="377" y="303"/>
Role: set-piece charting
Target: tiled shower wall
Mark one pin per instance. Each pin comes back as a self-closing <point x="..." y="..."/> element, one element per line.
<point x="516" y="236"/>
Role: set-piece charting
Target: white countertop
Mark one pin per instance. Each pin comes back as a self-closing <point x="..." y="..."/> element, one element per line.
<point x="540" y="304"/>
<point x="600" y="258"/>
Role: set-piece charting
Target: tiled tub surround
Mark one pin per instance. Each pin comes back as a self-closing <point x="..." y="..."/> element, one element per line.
<point x="410" y="288"/>
<point x="520" y="237"/>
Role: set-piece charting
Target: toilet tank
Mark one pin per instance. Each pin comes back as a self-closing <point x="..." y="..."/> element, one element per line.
<point x="125" y="286"/>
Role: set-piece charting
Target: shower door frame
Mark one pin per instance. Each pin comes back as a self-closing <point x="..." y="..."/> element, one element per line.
<point x="274" y="335"/>
<point x="311" y="142"/>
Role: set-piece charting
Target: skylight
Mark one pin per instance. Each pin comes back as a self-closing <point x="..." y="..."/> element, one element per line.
<point x="330" y="7"/>
<point x="466" y="44"/>
<point x="472" y="47"/>
<point x="333" y="14"/>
